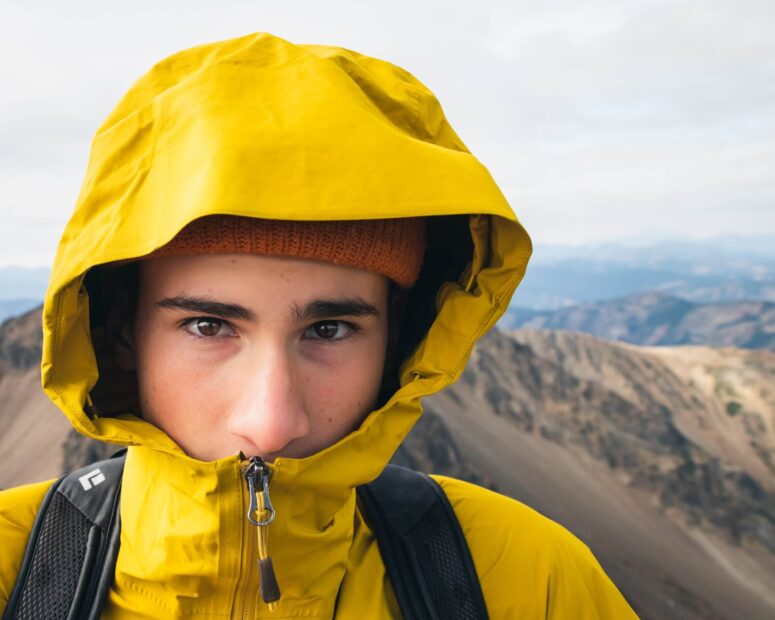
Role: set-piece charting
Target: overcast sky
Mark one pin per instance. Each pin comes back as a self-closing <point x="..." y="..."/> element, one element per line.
<point x="601" y="121"/>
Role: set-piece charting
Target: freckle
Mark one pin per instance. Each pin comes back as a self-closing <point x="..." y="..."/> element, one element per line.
<point x="330" y="419"/>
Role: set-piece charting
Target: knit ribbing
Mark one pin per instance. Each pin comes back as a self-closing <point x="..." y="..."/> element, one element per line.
<point x="392" y="247"/>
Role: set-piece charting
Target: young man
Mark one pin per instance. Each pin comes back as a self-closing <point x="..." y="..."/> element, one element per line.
<point x="278" y="251"/>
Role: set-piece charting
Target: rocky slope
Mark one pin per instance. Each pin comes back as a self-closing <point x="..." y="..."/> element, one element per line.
<point x="661" y="319"/>
<point x="635" y="450"/>
<point x="660" y="459"/>
<point x="31" y="430"/>
<point x="20" y="343"/>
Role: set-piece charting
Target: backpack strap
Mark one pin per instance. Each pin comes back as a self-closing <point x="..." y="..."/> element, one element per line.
<point x="422" y="546"/>
<point x="71" y="553"/>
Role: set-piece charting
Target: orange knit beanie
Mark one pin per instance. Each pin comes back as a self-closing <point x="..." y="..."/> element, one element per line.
<point x="392" y="247"/>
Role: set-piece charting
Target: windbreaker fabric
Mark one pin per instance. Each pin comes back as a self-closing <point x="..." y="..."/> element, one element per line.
<point x="260" y="127"/>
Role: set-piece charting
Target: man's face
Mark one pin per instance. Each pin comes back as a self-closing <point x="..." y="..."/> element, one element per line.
<point x="268" y="356"/>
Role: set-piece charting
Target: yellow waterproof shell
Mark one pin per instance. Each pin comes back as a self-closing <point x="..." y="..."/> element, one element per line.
<point x="259" y="127"/>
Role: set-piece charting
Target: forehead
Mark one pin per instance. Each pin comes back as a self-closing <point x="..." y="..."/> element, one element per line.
<point x="266" y="279"/>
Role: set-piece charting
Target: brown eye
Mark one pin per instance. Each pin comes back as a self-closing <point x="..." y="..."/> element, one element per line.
<point x="205" y="327"/>
<point x="208" y="327"/>
<point x="326" y="331"/>
<point x="329" y="330"/>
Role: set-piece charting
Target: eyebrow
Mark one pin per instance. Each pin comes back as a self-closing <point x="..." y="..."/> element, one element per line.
<point x="207" y="306"/>
<point x="330" y="308"/>
<point x="314" y="311"/>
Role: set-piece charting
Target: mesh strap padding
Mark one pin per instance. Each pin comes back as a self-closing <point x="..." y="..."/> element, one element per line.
<point x="423" y="547"/>
<point x="56" y="564"/>
<point x="436" y="549"/>
<point x="71" y="553"/>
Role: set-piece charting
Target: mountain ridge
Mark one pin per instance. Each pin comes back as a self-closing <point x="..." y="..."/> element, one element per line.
<point x="657" y="318"/>
<point x="634" y="449"/>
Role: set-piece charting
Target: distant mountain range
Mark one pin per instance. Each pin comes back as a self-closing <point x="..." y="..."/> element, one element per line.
<point x="21" y="289"/>
<point x="16" y="307"/>
<point x="725" y="269"/>
<point x="23" y="282"/>
<point x="661" y="459"/>
<point x="571" y="282"/>
<point x="660" y="319"/>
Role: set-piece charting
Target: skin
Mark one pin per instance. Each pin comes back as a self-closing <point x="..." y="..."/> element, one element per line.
<point x="271" y="357"/>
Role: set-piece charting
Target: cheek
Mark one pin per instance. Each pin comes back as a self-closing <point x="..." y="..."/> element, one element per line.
<point x="343" y="391"/>
<point x="164" y="392"/>
<point x="174" y="387"/>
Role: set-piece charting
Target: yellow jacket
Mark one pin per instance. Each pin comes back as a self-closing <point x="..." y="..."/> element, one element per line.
<point x="259" y="127"/>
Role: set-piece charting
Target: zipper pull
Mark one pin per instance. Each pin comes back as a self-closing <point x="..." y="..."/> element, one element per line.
<point x="261" y="514"/>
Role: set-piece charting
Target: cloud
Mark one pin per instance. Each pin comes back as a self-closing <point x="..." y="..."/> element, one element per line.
<point x="600" y="119"/>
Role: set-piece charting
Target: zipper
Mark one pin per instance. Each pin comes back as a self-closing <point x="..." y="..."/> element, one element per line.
<point x="245" y="592"/>
<point x="259" y="515"/>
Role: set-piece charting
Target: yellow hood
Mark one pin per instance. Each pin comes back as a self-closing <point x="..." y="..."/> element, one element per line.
<point x="260" y="127"/>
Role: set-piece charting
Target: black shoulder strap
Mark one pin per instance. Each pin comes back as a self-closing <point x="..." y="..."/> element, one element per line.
<point x="71" y="554"/>
<point x="423" y="547"/>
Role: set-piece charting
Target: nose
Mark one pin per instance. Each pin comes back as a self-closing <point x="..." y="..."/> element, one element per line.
<point x="268" y="413"/>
